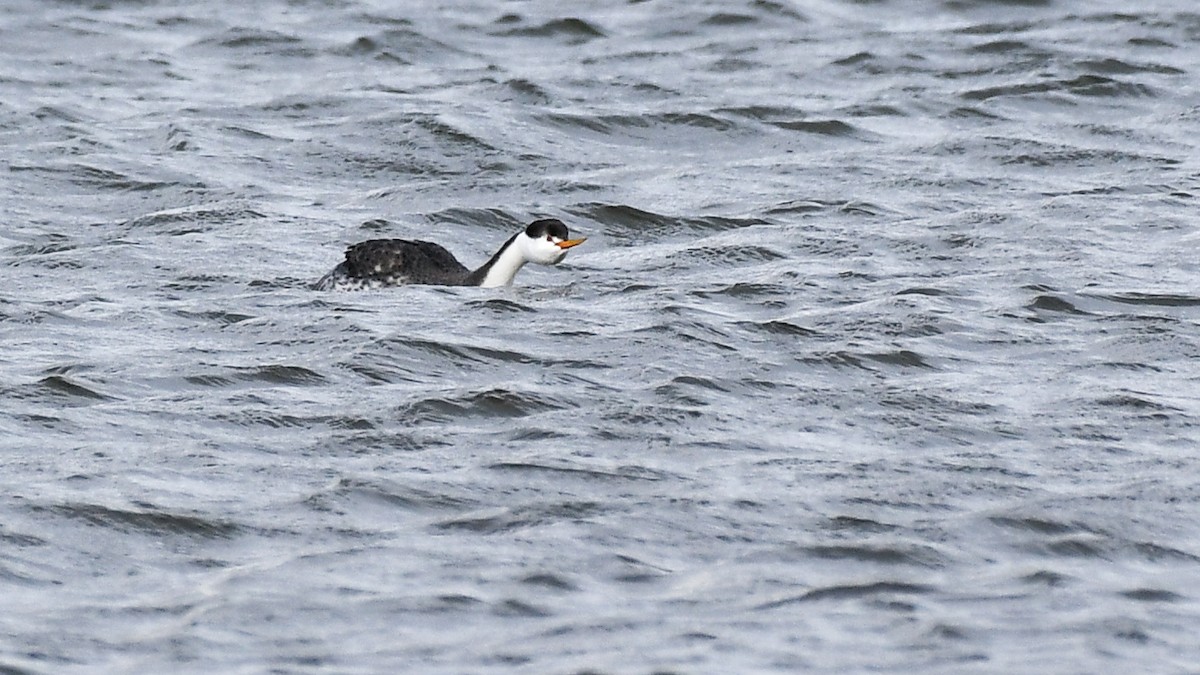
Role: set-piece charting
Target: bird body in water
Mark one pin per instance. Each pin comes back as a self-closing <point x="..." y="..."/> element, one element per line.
<point x="397" y="262"/>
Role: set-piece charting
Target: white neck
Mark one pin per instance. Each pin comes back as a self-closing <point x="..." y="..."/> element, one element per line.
<point x="511" y="260"/>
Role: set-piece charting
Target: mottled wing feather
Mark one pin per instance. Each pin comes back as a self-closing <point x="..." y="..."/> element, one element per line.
<point x="403" y="261"/>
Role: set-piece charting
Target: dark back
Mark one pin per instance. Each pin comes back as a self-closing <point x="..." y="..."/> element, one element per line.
<point x="404" y="261"/>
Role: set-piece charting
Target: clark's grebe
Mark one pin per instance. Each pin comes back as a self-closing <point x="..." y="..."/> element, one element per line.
<point x="395" y="262"/>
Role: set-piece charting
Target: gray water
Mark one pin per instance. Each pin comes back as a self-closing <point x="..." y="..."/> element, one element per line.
<point x="881" y="355"/>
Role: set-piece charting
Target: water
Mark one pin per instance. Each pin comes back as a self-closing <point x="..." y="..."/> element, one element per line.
<point x="881" y="354"/>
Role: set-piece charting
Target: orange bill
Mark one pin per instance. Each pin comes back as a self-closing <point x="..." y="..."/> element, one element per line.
<point x="571" y="242"/>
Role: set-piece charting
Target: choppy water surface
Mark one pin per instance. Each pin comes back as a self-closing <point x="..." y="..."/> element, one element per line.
<point x="882" y="353"/>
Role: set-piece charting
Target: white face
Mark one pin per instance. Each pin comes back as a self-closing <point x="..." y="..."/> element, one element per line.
<point x="543" y="250"/>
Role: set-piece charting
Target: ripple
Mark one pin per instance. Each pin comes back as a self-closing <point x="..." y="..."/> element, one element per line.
<point x="791" y="119"/>
<point x="53" y="252"/>
<point x="60" y="387"/>
<point x="1111" y="66"/>
<point x="524" y="91"/>
<point x="779" y="327"/>
<point x="727" y="255"/>
<point x="281" y="374"/>
<point x="1046" y="578"/>
<point x="197" y="282"/>
<point x="21" y="540"/>
<point x="904" y="358"/>
<point x="519" y="518"/>
<point x="729" y="19"/>
<point x="861" y="277"/>
<point x="393" y="494"/>
<point x="513" y="608"/>
<point x="702" y="382"/>
<point x="148" y="520"/>
<point x="218" y="317"/>
<point x="920" y="556"/>
<point x="1005" y="47"/>
<point x="624" y="216"/>
<point x="239" y="38"/>
<point x="1133" y="402"/>
<point x="694" y="331"/>
<point x="501" y="306"/>
<point x="193" y="219"/>
<point x="463" y="352"/>
<point x="850" y="592"/>
<point x="404" y="46"/>
<point x="1034" y="524"/>
<point x="923" y="290"/>
<point x="830" y="127"/>
<point x="1084" y="85"/>
<point x="1153" y="299"/>
<point x="743" y="289"/>
<point x="489" y="403"/>
<point x="99" y="178"/>
<point x="636" y="473"/>
<point x="1054" y="303"/>
<point x="491" y="218"/>
<point x="272" y="419"/>
<point x="763" y="113"/>
<point x="380" y="368"/>
<point x="900" y="357"/>
<point x="549" y="580"/>
<point x="857" y="524"/>
<point x="1152" y="595"/>
<point x="654" y="416"/>
<point x="571" y="29"/>
<point x="637" y="127"/>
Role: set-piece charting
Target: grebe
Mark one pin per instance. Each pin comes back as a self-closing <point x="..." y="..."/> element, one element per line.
<point x="396" y="262"/>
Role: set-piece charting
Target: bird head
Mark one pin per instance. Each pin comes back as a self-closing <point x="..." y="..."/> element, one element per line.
<point x="546" y="241"/>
